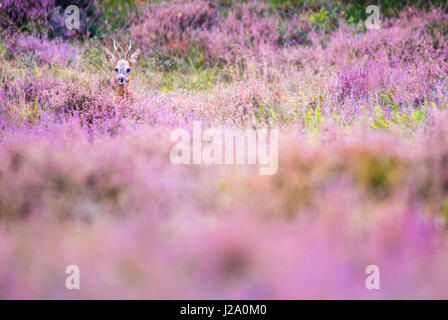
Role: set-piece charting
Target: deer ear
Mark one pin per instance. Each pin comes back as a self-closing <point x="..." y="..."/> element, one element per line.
<point x="110" y="56"/>
<point x="134" y="57"/>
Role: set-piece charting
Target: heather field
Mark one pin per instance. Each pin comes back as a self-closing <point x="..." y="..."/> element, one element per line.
<point x="87" y="178"/>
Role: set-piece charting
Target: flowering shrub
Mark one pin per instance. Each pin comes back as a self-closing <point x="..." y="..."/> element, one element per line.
<point x="97" y="17"/>
<point x="246" y="28"/>
<point x="21" y="11"/>
<point x="44" y="51"/>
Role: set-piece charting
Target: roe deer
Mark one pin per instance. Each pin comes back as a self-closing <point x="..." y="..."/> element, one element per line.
<point x="122" y="67"/>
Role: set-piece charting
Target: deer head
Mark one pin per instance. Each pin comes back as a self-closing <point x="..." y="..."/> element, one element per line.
<point x="122" y="65"/>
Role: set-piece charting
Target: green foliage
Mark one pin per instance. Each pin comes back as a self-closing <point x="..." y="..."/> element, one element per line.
<point x="326" y="13"/>
<point x="265" y="114"/>
<point x="379" y="120"/>
<point x="114" y="15"/>
<point x="313" y="115"/>
<point x="336" y="117"/>
<point x="31" y="114"/>
<point x="397" y="113"/>
<point x="320" y="18"/>
<point x="419" y="114"/>
<point x="187" y="71"/>
<point x="200" y="79"/>
<point x="444" y="207"/>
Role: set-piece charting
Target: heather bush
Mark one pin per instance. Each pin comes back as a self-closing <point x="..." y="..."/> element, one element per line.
<point x="366" y="171"/>
<point x="171" y="30"/>
<point x="174" y="29"/>
<point x="22" y="11"/>
<point x="97" y="17"/>
<point x="43" y="51"/>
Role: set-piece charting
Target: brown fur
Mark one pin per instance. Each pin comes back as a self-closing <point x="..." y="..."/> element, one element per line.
<point x="123" y="92"/>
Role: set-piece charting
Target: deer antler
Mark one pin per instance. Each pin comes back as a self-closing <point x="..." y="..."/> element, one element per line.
<point x="129" y="49"/>
<point x="116" y="49"/>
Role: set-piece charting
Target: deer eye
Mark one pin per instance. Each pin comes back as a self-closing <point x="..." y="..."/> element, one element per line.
<point x="116" y="69"/>
<point x="128" y="70"/>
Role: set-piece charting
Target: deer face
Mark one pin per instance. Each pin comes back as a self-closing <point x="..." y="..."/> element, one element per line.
<point x="122" y="66"/>
<point x="123" y="70"/>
